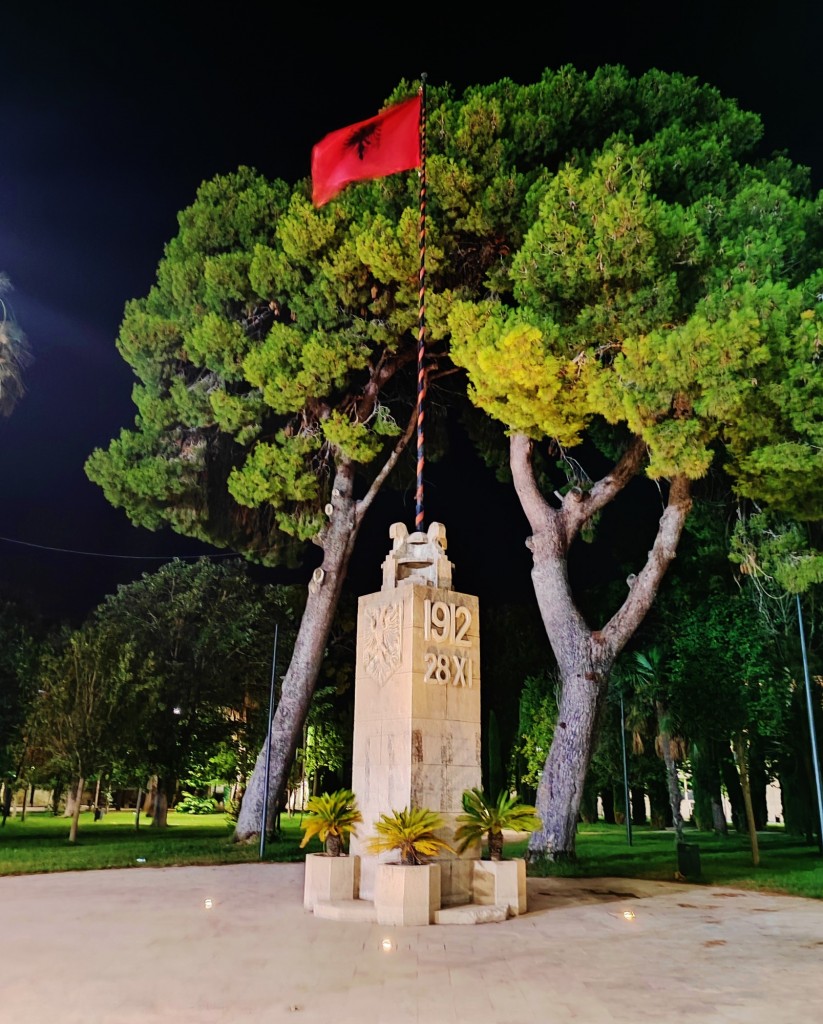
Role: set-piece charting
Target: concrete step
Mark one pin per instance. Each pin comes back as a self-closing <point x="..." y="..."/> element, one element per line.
<point x="472" y="913"/>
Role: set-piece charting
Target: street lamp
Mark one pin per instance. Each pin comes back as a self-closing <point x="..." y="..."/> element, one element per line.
<point x="810" y="710"/>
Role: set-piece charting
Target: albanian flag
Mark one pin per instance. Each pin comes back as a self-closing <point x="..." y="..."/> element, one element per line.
<point x="375" y="148"/>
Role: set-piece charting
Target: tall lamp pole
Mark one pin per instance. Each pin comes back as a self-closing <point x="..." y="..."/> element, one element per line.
<point x="625" y="773"/>
<point x="263" y="822"/>
<point x="810" y="709"/>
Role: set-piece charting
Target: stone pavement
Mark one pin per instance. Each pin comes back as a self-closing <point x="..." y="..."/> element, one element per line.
<point x="230" y="944"/>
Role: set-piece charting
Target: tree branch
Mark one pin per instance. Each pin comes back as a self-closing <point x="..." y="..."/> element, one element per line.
<point x="362" y="506"/>
<point x="534" y="505"/>
<point x="643" y="589"/>
<point x="578" y="507"/>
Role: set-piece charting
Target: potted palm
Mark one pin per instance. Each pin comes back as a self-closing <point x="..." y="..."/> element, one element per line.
<point x="408" y="892"/>
<point x="494" y="880"/>
<point x="330" y="875"/>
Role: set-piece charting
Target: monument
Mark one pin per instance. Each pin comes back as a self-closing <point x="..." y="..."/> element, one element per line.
<point x="417" y="700"/>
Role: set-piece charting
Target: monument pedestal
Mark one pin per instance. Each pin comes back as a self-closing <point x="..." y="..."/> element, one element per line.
<point x="417" y="702"/>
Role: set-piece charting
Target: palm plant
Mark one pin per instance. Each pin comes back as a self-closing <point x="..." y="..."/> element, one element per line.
<point x="331" y="817"/>
<point x="649" y="680"/>
<point x="484" y="818"/>
<point x="411" y="831"/>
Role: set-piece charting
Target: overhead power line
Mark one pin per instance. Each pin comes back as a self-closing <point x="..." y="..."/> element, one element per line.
<point x="103" y="554"/>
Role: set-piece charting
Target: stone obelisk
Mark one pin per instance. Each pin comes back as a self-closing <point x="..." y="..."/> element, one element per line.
<point x="417" y="700"/>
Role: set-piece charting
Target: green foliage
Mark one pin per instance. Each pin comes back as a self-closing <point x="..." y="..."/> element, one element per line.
<point x="410" y="831"/>
<point x="656" y="292"/>
<point x="193" y="804"/>
<point x="86" y="702"/>
<point x="538" y="718"/>
<point x="201" y="637"/>
<point x="484" y="817"/>
<point x="331" y="818"/>
<point x="722" y="673"/>
<point x="493" y="754"/>
<point x="20" y="647"/>
<point x="326" y="738"/>
<point x="776" y="553"/>
<point x="261" y="351"/>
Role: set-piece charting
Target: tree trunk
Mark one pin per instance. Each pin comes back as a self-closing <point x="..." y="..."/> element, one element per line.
<point x="337" y="540"/>
<point x="731" y="780"/>
<point x="588" y="803"/>
<point x="7" y="798"/>
<point x="759" y="782"/>
<point x="75" y="818"/>
<point x="743" y="768"/>
<point x="584" y="658"/>
<point x="672" y="781"/>
<point x="638" y="800"/>
<point x="160" y="807"/>
<point x="561" y="784"/>
<point x="660" y="816"/>
<point x="71" y="800"/>
<point x="301" y="677"/>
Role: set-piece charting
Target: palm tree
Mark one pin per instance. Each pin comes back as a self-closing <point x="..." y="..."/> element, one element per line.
<point x="483" y="817"/>
<point x="411" y="831"/>
<point x="14" y="354"/>
<point x="648" y="677"/>
<point x="332" y="816"/>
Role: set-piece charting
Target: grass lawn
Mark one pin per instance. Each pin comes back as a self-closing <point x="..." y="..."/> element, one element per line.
<point x="39" y="844"/>
<point x="787" y="864"/>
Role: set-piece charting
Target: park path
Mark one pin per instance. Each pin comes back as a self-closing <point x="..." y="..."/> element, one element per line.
<point x="232" y="944"/>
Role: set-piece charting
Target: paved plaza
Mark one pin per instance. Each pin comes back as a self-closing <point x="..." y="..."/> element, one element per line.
<point x="231" y="944"/>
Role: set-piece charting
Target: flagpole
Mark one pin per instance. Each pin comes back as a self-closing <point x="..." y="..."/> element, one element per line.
<point x="419" y="523"/>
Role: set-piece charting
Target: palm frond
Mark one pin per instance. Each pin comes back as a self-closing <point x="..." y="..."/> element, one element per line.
<point x="411" y="831"/>
<point x="483" y="817"/>
<point x="331" y="814"/>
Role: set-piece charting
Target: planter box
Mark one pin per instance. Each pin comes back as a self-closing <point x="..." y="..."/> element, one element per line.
<point x="330" y="878"/>
<point x="407" y="894"/>
<point x="501" y="883"/>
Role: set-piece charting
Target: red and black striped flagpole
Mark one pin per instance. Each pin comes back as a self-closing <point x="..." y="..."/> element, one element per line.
<point x="421" y="316"/>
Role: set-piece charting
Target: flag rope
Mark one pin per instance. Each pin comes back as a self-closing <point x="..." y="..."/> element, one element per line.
<point x="421" y="317"/>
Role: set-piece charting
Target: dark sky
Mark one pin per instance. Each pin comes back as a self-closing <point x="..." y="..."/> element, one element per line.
<point x="113" y="113"/>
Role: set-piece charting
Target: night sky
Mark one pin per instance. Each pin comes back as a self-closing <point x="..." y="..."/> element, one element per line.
<point x="112" y="115"/>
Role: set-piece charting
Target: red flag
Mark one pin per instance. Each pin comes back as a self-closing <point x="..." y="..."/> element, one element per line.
<point x="375" y="148"/>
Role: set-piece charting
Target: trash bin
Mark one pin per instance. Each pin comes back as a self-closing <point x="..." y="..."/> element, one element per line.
<point x="688" y="860"/>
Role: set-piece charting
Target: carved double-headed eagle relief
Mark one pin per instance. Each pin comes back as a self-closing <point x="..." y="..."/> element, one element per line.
<point x="383" y="640"/>
<point x="414" y="558"/>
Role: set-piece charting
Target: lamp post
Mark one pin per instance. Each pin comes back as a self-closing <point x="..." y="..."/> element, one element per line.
<point x="264" y="816"/>
<point x="810" y="710"/>
<point x="625" y="773"/>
